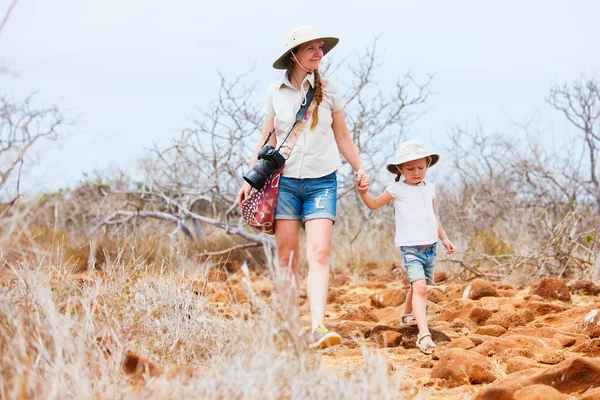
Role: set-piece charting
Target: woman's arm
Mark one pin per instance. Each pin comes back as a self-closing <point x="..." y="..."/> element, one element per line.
<point x="268" y="126"/>
<point x="346" y="145"/>
<point x="373" y="203"/>
<point x="450" y="248"/>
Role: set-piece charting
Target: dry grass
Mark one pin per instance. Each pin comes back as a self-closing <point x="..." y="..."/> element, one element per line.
<point x="66" y="336"/>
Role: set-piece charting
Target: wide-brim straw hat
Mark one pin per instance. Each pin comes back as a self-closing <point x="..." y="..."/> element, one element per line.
<point x="301" y="35"/>
<point x="410" y="151"/>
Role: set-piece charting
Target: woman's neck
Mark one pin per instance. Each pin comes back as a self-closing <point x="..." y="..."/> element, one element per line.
<point x="297" y="77"/>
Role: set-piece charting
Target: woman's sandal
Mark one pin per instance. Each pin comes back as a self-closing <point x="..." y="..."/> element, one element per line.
<point x="426" y="348"/>
<point x="407" y="319"/>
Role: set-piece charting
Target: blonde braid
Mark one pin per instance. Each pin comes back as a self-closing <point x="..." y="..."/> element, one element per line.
<point x="318" y="98"/>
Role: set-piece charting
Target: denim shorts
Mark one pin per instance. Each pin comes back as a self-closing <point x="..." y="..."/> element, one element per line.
<point x="306" y="199"/>
<point x="419" y="262"/>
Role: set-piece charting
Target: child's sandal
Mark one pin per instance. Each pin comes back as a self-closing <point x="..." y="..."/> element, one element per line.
<point x="407" y="319"/>
<point x="426" y="348"/>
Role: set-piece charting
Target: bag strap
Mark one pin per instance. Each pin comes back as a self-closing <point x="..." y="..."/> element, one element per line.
<point x="302" y="116"/>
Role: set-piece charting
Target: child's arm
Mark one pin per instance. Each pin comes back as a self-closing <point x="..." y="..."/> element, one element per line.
<point x="450" y="248"/>
<point x="373" y="203"/>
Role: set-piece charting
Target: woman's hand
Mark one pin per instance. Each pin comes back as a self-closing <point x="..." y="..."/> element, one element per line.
<point x="450" y="249"/>
<point x="243" y="193"/>
<point x="362" y="180"/>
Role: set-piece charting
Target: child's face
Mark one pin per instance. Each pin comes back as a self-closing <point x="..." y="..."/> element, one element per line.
<point x="414" y="171"/>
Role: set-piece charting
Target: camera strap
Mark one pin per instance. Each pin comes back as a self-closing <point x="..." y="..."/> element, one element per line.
<point x="299" y="116"/>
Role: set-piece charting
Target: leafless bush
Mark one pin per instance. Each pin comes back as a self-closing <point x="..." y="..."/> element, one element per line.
<point x="540" y="200"/>
<point x="22" y="127"/>
<point x="195" y="180"/>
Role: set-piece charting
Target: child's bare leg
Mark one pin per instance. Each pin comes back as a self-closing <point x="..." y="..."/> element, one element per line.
<point x="419" y="305"/>
<point x="408" y="307"/>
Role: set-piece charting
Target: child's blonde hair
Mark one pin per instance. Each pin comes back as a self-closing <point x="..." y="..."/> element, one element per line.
<point x="399" y="174"/>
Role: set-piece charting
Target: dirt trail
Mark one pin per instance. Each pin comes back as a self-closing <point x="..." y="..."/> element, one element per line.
<point x="493" y="339"/>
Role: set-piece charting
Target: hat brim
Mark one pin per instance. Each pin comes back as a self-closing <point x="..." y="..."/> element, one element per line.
<point x="328" y="44"/>
<point x="393" y="170"/>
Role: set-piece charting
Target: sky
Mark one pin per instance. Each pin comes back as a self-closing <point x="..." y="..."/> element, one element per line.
<point x="133" y="73"/>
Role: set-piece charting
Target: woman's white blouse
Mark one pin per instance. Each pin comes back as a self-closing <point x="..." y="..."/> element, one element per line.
<point x="316" y="153"/>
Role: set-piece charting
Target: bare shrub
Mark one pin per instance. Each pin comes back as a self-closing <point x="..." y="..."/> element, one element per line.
<point x="22" y="127"/>
<point x="521" y="204"/>
<point x="194" y="181"/>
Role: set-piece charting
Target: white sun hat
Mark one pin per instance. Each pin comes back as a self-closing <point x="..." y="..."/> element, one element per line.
<point x="300" y="35"/>
<point x="409" y="151"/>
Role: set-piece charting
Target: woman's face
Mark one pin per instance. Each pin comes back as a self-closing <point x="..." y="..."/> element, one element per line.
<point x="310" y="54"/>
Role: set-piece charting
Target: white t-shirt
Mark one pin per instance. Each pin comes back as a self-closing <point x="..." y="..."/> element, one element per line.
<point x="316" y="153"/>
<point x="415" y="220"/>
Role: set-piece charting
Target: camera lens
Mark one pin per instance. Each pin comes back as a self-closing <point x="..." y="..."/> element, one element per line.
<point x="257" y="176"/>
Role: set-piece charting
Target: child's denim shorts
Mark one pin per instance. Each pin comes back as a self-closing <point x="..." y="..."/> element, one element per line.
<point x="306" y="199"/>
<point x="419" y="262"/>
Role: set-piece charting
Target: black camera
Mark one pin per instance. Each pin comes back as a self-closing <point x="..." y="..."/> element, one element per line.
<point x="269" y="160"/>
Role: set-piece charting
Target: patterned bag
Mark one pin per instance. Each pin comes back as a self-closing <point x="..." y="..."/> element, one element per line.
<point x="258" y="208"/>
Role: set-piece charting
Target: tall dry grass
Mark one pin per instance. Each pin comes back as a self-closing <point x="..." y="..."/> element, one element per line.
<point x="67" y="336"/>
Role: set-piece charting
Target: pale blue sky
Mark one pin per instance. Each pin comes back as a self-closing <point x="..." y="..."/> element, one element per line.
<point x="134" y="71"/>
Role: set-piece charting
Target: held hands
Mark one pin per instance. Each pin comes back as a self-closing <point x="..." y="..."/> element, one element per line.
<point x="450" y="248"/>
<point x="362" y="181"/>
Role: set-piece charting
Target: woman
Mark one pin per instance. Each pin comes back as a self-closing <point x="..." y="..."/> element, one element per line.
<point x="307" y="189"/>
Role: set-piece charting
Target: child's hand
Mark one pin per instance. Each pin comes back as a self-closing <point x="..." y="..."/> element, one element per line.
<point x="450" y="249"/>
<point x="362" y="184"/>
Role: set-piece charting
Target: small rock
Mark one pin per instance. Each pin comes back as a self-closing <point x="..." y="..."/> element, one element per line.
<point x="388" y="298"/>
<point x="350" y="329"/>
<point x="462" y="343"/>
<point x="363" y="313"/>
<point x="477" y="339"/>
<point x="463" y="325"/>
<point x="518" y="343"/>
<point x="566" y="341"/>
<point x="590" y="348"/>
<point x="437" y="296"/>
<point x="481" y="288"/>
<point x="456" y="309"/>
<point x="459" y="366"/>
<point x="491" y="330"/>
<point x="551" y="358"/>
<point x="539" y="392"/>
<point x="513" y="353"/>
<point x="511" y="319"/>
<point x="387" y="339"/>
<point x="542" y="308"/>
<point x="520" y="363"/>
<point x="480" y="315"/>
<point x="552" y="288"/>
<point x="591" y="324"/>
<point x="587" y="288"/>
<point x="571" y="375"/>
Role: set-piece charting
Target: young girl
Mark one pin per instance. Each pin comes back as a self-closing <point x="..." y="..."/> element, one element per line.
<point x="417" y="229"/>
